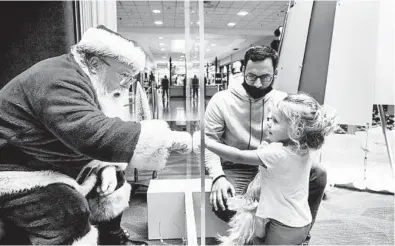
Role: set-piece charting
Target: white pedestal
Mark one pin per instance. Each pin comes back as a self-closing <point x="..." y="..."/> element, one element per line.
<point x="166" y="209"/>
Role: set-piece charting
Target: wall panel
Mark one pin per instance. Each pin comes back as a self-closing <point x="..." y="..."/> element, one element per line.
<point x="352" y="63"/>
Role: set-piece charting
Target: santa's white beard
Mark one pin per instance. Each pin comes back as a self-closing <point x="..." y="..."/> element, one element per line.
<point x="110" y="105"/>
<point x="114" y="106"/>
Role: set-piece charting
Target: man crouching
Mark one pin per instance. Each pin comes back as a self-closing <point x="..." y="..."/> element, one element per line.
<point x="65" y="139"/>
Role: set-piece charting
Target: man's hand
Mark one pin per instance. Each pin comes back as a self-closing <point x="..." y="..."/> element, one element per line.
<point x="108" y="181"/>
<point x="220" y="192"/>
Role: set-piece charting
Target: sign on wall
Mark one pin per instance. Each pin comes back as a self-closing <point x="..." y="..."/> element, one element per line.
<point x="293" y="47"/>
<point x="384" y="88"/>
<point x="352" y="62"/>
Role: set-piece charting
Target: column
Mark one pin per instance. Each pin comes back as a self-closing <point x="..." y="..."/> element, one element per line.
<point x="94" y="13"/>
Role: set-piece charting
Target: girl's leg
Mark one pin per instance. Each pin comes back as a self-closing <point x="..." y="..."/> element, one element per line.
<point x="280" y="234"/>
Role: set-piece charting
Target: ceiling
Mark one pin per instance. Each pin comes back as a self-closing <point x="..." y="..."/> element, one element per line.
<point x="136" y="21"/>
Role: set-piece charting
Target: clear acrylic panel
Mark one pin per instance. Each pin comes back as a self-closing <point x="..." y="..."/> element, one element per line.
<point x="199" y="46"/>
<point x="168" y="32"/>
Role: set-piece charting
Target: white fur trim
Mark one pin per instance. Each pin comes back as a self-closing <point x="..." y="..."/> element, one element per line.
<point x="153" y="146"/>
<point x="91" y="238"/>
<point x="101" y="164"/>
<point x="108" y="207"/>
<point x="182" y="142"/>
<point x="16" y="181"/>
<point x="113" y="45"/>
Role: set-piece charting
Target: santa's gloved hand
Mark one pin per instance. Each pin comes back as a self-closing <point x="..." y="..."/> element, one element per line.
<point x="181" y="142"/>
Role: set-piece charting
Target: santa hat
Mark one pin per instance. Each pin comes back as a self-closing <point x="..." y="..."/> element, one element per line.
<point x="103" y="41"/>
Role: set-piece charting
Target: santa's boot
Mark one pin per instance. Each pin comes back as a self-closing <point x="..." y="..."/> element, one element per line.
<point x="111" y="233"/>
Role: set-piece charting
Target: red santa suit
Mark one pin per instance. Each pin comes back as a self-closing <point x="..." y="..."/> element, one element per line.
<point x="53" y="135"/>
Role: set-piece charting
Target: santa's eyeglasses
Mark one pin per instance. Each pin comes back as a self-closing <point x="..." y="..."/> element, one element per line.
<point x="127" y="79"/>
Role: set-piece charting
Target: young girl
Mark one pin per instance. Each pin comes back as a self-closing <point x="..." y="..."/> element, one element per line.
<point x="282" y="216"/>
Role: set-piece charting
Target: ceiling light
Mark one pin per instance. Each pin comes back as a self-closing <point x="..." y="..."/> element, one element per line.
<point x="160" y="37"/>
<point x="164" y="57"/>
<point x="207" y="49"/>
<point x="197" y="23"/>
<point x="162" y="49"/>
<point x="177" y="46"/>
<point x="231" y="24"/>
<point x="213" y="44"/>
<point x="158" y="22"/>
<point x="161" y="44"/>
<point x="191" y="22"/>
<point x="156" y="11"/>
<point x="242" y="13"/>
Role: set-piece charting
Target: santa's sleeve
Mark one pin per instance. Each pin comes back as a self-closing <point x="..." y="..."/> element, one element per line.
<point x="153" y="147"/>
<point x="68" y="111"/>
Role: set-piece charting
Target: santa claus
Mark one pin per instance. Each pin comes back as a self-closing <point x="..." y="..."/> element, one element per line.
<point x="65" y="139"/>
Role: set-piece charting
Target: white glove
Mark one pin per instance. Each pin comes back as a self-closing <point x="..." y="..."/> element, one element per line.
<point x="182" y="142"/>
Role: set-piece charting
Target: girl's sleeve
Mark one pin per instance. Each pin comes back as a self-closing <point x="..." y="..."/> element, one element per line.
<point x="271" y="155"/>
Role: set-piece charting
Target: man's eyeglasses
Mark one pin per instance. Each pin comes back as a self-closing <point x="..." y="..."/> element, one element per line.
<point x="264" y="78"/>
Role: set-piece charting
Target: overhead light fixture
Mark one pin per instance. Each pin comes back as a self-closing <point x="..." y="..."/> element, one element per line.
<point x="231" y="24"/>
<point x="177" y="46"/>
<point x="156" y="11"/>
<point x="197" y="23"/>
<point x="191" y="22"/>
<point x="164" y="57"/>
<point x="161" y="44"/>
<point x="158" y="23"/>
<point x="207" y="49"/>
<point x="160" y="37"/>
<point x="213" y="44"/>
<point x="162" y="49"/>
<point x="242" y="13"/>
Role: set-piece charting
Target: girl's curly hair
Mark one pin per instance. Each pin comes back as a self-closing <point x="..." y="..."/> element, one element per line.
<point x="308" y="121"/>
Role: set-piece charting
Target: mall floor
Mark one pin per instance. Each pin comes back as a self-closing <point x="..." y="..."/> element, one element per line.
<point x="345" y="217"/>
